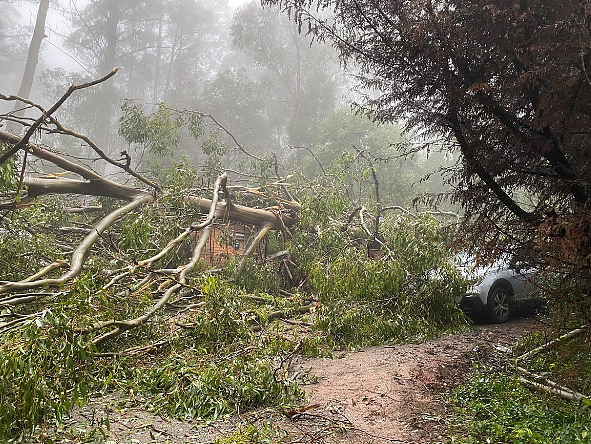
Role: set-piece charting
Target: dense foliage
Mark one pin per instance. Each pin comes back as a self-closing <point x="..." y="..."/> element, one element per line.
<point x="220" y="346"/>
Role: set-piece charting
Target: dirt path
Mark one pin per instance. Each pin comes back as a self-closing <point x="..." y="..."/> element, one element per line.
<point x="378" y="395"/>
<point x="387" y="394"/>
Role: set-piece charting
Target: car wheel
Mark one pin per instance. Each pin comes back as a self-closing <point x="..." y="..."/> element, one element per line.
<point x="500" y="304"/>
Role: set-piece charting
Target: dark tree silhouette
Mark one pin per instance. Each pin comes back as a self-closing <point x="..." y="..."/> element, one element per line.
<point x="505" y="82"/>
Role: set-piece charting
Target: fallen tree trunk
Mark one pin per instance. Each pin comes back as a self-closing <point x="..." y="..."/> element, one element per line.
<point x="275" y="218"/>
<point x="95" y="184"/>
<point x="38" y="187"/>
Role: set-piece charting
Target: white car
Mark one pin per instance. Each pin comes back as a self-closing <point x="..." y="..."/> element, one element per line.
<point x="499" y="289"/>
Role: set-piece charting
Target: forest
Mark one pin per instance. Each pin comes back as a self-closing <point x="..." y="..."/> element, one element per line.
<point x="242" y="221"/>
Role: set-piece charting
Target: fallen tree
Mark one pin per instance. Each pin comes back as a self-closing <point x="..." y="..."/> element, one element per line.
<point x="143" y="274"/>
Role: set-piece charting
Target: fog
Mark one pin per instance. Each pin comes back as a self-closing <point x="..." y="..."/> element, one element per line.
<point x="273" y="90"/>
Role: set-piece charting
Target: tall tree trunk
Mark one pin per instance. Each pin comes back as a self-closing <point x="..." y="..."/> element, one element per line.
<point x="155" y="96"/>
<point x="173" y="51"/>
<point x="32" y="59"/>
<point x="104" y="118"/>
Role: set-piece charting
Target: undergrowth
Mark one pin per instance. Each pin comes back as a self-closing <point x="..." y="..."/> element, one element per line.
<point x="567" y="362"/>
<point x="45" y="371"/>
<point x="202" y="389"/>
<point x="251" y="434"/>
<point x="495" y="408"/>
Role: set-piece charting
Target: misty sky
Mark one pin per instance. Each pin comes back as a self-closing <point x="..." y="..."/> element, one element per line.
<point x="54" y="55"/>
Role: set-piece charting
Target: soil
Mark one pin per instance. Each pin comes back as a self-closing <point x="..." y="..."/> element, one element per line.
<point x="385" y="394"/>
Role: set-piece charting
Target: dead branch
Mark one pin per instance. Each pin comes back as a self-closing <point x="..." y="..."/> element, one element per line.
<point x="142" y="349"/>
<point x="548" y="385"/>
<point x="443" y="214"/>
<point x="61" y="129"/>
<point x="350" y="218"/>
<point x="228" y="133"/>
<point x="19" y="295"/>
<point x="313" y="156"/>
<point x="571" y="334"/>
<point x="24" y="141"/>
<point x="12" y="324"/>
<point x="125" y="166"/>
<point x="573" y="396"/>
<point x="147" y="263"/>
<point x="73" y="230"/>
<point x="278" y="256"/>
<point x="284" y="314"/>
<point x="255" y="192"/>
<point x="396" y="207"/>
<point x="544" y="384"/>
<point x="25" y="298"/>
<point x="116" y="279"/>
<point x="362" y="211"/>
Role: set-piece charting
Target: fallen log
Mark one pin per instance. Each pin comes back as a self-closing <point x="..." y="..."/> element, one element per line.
<point x="545" y="384"/>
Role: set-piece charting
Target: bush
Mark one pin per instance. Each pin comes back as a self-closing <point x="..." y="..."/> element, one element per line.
<point x="407" y="293"/>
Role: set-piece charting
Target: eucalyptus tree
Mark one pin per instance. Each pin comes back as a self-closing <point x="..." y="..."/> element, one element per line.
<point x="300" y="80"/>
<point x="32" y="60"/>
<point x="241" y="103"/>
<point x="164" y="50"/>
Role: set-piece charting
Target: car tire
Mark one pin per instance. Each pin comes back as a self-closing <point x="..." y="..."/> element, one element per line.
<point x="500" y="304"/>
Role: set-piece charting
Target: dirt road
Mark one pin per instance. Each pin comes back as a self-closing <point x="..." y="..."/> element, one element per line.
<point x="385" y="394"/>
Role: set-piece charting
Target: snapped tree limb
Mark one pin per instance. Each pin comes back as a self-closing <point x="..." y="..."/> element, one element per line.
<point x="123" y="326"/>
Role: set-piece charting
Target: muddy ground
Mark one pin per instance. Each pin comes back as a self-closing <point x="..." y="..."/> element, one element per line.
<point x="385" y="394"/>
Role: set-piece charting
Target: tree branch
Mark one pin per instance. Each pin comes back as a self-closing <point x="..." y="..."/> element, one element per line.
<point x="80" y="253"/>
<point x="23" y="142"/>
<point x="123" y="326"/>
